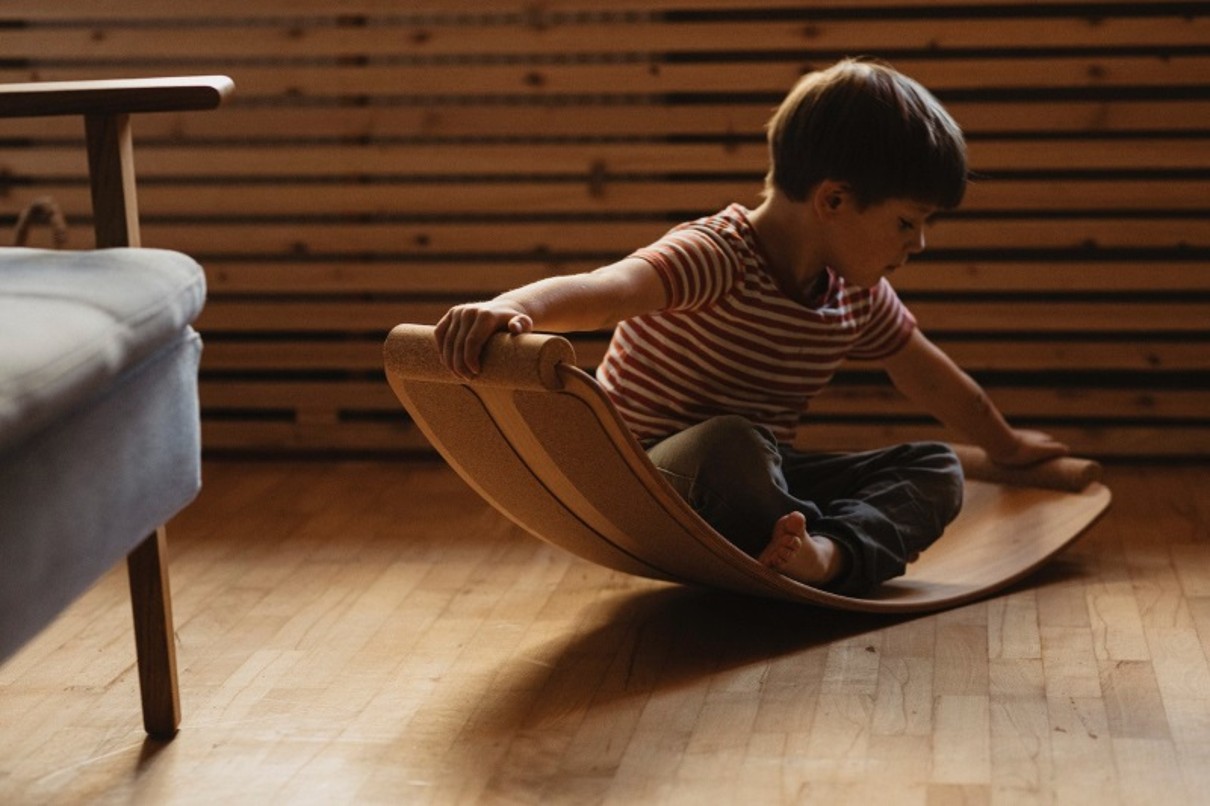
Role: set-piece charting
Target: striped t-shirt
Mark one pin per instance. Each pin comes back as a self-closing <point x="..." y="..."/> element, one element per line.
<point x="730" y="342"/>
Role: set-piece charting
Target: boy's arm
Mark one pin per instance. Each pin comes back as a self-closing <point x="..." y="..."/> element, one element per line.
<point x="929" y="378"/>
<point x="590" y="301"/>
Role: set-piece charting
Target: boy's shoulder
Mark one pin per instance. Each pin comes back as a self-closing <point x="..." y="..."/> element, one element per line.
<point x="729" y="230"/>
<point x="731" y="220"/>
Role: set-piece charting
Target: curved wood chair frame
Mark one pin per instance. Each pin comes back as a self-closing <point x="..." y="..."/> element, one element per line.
<point x="539" y="440"/>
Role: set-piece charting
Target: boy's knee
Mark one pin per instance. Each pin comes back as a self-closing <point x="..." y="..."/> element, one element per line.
<point x="725" y="466"/>
<point x="732" y="431"/>
<point x="725" y="445"/>
<point x="732" y="446"/>
<point x="719" y="436"/>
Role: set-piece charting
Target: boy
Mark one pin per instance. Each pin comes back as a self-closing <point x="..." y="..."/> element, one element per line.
<point x="727" y="326"/>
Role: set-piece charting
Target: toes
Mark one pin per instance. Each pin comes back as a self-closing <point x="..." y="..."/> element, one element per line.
<point x="794" y="523"/>
<point x="781" y="550"/>
<point x="773" y="557"/>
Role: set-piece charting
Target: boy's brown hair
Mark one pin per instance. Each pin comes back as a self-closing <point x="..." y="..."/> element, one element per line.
<point x="865" y="124"/>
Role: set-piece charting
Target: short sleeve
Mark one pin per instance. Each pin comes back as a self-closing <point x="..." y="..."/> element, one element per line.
<point x="696" y="266"/>
<point x="888" y="328"/>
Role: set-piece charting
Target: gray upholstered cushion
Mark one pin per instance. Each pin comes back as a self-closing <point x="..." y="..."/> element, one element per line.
<point x="79" y="494"/>
<point x="71" y="322"/>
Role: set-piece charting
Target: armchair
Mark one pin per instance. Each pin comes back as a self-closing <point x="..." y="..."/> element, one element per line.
<point x="99" y="428"/>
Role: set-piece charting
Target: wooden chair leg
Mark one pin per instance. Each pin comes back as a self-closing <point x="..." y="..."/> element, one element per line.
<point x="152" y="603"/>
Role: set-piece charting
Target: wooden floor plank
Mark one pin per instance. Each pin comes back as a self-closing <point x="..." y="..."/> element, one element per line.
<point x="371" y="632"/>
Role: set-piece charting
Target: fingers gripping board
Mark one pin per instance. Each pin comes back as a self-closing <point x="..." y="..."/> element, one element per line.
<point x="540" y="441"/>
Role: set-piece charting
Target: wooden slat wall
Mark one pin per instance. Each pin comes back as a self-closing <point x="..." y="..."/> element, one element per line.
<point x="382" y="160"/>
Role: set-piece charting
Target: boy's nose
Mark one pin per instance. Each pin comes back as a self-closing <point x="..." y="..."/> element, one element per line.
<point x="916" y="245"/>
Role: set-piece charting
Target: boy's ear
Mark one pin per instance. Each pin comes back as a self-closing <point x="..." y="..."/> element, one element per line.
<point x="830" y="196"/>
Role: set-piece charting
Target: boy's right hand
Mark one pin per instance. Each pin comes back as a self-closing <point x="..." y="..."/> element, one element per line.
<point x="465" y="329"/>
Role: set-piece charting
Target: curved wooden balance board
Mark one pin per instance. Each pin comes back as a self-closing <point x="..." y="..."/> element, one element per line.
<point x="538" y="439"/>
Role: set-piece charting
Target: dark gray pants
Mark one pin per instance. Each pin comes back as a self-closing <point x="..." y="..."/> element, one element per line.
<point x="881" y="506"/>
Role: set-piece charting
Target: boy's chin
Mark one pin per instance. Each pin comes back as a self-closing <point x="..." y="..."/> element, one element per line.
<point x="865" y="278"/>
<point x="871" y="278"/>
<point x="887" y="271"/>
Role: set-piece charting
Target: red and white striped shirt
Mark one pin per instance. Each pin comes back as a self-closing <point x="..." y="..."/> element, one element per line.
<point x="730" y="342"/>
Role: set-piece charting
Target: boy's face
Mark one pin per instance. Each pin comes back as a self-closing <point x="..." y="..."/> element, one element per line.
<point x="867" y="244"/>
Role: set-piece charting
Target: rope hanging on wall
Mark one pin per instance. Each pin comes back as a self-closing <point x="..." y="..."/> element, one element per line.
<point x="41" y="211"/>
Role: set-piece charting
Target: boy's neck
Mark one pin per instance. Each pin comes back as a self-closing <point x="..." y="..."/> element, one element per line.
<point x="786" y="230"/>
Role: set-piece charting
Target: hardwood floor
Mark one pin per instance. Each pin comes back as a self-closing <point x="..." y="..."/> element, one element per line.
<point x="373" y="633"/>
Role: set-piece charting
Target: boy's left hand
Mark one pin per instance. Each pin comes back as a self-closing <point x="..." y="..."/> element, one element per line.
<point x="1028" y="448"/>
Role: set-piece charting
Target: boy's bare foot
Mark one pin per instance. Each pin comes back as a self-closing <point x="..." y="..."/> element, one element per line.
<point x="799" y="555"/>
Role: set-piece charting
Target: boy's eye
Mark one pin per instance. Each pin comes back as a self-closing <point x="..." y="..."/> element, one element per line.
<point x="906" y="225"/>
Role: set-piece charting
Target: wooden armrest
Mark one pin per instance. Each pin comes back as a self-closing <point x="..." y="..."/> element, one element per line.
<point x="106" y="107"/>
<point x="113" y="97"/>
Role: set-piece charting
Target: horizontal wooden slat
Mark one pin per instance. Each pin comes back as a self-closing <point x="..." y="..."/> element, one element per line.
<point x="838" y="400"/>
<point x="1099" y="404"/>
<point x="535" y="160"/>
<point x="621" y="238"/>
<point x="295" y="38"/>
<point x="278" y="355"/>
<point x="470" y="277"/>
<point x="775" y="72"/>
<point x="248" y="236"/>
<point x="201" y="10"/>
<point x="1015" y="316"/>
<point x="176" y="216"/>
<point x="1141" y="354"/>
<point x="416" y="119"/>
